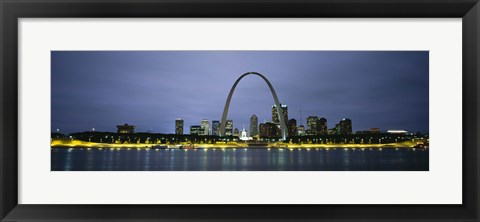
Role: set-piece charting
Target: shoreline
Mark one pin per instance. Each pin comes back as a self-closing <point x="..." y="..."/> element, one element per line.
<point x="83" y="144"/>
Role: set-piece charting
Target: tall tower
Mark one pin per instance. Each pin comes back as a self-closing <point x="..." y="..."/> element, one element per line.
<point x="229" y="127"/>
<point x="292" y="127"/>
<point x="312" y="122"/>
<point x="215" y="127"/>
<point x="275" y="114"/>
<point x="253" y="126"/>
<point x="206" y="127"/>
<point x="179" y="126"/>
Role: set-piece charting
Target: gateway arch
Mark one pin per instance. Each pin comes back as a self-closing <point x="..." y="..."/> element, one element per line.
<point x="283" y="127"/>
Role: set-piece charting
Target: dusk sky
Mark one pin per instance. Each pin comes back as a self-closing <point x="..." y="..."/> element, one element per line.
<point x="150" y="89"/>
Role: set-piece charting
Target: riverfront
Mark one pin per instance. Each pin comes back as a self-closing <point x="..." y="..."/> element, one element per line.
<point x="68" y="143"/>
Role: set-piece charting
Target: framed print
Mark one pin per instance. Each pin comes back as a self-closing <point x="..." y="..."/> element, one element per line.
<point x="221" y="144"/>
<point x="280" y="110"/>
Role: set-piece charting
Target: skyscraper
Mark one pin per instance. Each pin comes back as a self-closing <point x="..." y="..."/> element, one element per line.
<point x="292" y="127"/>
<point x="215" y="127"/>
<point x="179" y="126"/>
<point x="236" y="132"/>
<point x="253" y="126"/>
<point x="336" y="129"/>
<point x="322" y="127"/>
<point x="312" y="125"/>
<point x="206" y="126"/>
<point x="345" y="126"/>
<point x="229" y="127"/>
<point x="275" y="119"/>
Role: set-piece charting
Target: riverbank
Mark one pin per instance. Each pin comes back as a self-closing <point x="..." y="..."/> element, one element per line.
<point x="82" y="144"/>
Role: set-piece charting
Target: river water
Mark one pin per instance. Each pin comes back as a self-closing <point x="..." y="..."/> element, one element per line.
<point x="239" y="159"/>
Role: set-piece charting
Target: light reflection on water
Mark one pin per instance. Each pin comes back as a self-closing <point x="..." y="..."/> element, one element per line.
<point x="262" y="159"/>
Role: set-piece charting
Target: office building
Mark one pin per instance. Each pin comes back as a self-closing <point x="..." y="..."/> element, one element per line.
<point x="344" y="127"/>
<point x="196" y="130"/>
<point x="269" y="129"/>
<point x="301" y="130"/>
<point x="125" y="129"/>
<point x="215" y="127"/>
<point x="179" y="126"/>
<point x="310" y="132"/>
<point x="275" y="119"/>
<point x="229" y="127"/>
<point x="206" y="127"/>
<point x="292" y="127"/>
<point x="322" y="127"/>
<point x="312" y="122"/>
<point x="253" y="126"/>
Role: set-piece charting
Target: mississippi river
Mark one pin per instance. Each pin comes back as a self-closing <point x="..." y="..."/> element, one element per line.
<point x="239" y="159"/>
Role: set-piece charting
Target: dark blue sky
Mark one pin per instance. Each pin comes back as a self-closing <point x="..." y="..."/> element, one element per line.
<point x="150" y="89"/>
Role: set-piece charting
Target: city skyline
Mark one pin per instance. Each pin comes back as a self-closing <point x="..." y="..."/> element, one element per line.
<point x="386" y="90"/>
<point x="323" y="129"/>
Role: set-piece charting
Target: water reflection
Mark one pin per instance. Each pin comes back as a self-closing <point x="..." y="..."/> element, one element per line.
<point x="261" y="159"/>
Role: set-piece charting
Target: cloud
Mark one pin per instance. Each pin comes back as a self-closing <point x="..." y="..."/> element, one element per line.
<point x="152" y="88"/>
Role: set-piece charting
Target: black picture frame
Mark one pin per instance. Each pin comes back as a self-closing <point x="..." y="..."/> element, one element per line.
<point x="12" y="10"/>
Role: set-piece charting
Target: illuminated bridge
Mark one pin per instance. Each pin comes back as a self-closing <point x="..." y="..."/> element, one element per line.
<point x="283" y="127"/>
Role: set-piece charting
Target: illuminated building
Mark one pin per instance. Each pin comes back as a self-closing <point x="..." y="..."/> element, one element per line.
<point x="215" y="127"/>
<point x="275" y="119"/>
<point x="253" y="125"/>
<point x="236" y="133"/>
<point x="229" y="127"/>
<point x="244" y="135"/>
<point x="397" y="132"/>
<point x="301" y="130"/>
<point x="322" y="127"/>
<point x="344" y="127"/>
<point x="310" y="132"/>
<point x="196" y="130"/>
<point x="269" y="129"/>
<point x="125" y="128"/>
<point x="206" y="127"/>
<point x="179" y="126"/>
<point x="292" y="127"/>
<point x="312" y="125"/>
